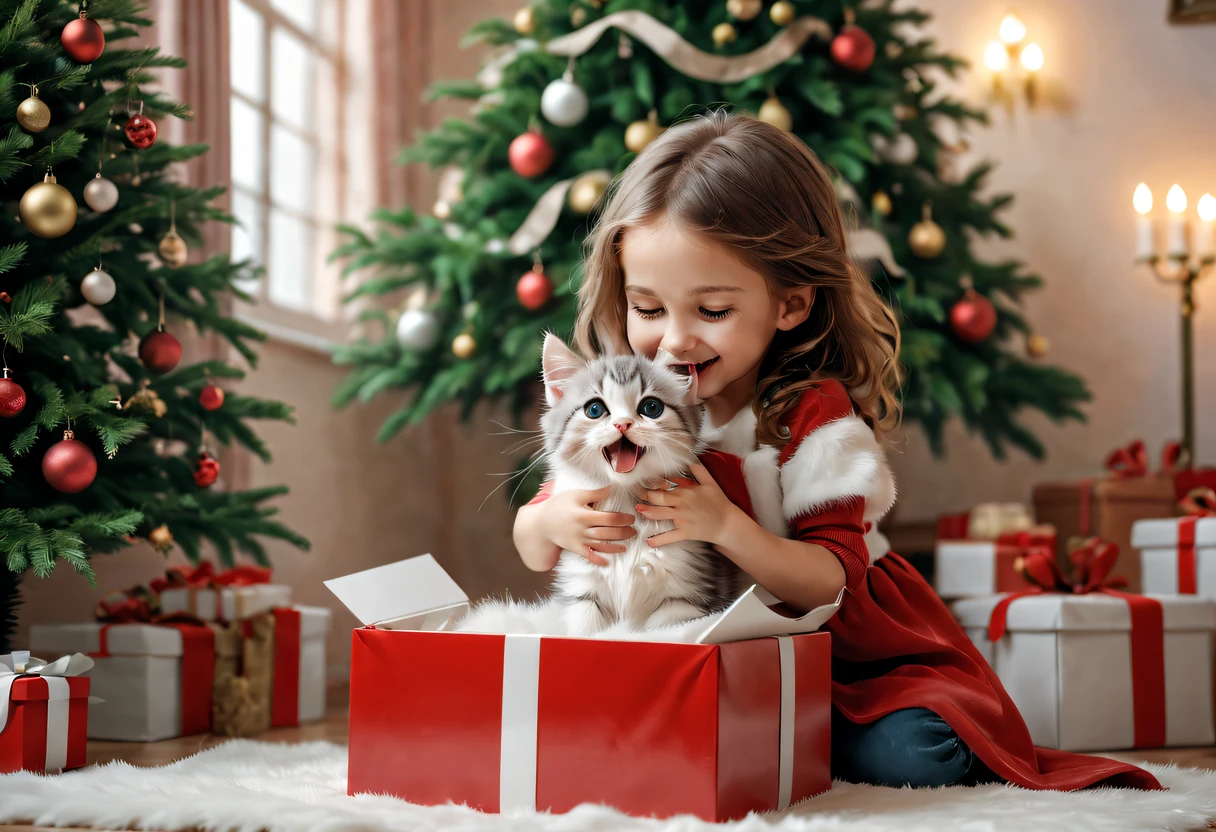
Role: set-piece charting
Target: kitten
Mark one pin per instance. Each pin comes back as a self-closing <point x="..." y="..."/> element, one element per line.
<point x="620" y="421"/>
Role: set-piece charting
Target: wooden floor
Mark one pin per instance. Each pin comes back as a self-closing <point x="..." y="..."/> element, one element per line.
<point x="334" y="729"/>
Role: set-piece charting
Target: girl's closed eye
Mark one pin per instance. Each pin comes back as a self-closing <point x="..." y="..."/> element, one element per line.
<point x="712" y="314"/>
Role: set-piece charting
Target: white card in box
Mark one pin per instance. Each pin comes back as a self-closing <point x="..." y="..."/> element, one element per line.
<point x="231" y="603"/>
<point x="1167" y="567"/>
<point x="1066" y="662"/>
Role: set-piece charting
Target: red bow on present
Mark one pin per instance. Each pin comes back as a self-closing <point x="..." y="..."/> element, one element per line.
<point x="1132" y="459"/>
<point x="1091" y="566"/>
<point x="178" y="577"/>
<point x="1199" y="502"/>
<point x="243" y="576"/>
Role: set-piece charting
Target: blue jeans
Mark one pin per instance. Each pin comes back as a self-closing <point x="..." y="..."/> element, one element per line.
<point x="912" y="747"/>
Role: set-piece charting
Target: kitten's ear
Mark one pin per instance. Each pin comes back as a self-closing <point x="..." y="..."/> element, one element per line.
<point x="558" y="363"/>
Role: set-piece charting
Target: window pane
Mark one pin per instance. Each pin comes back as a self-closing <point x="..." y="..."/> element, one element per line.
<point x="245" y="49"/>
<point x="247" y="236"/>
<point x="290" y="261"/>
<point x="291" y="171"/>
<point x="291" y="97"/>
<point x="247" y="161"/>
<point x="303" y="13"/>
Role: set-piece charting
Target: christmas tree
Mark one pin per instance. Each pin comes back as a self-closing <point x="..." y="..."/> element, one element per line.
<point x="578" y="87"/>
<point x="104" y="438"/>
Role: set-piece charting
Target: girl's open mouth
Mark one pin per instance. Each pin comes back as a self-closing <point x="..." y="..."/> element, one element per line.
<point x="623" y="455"/>
<point x="687" y="368"/>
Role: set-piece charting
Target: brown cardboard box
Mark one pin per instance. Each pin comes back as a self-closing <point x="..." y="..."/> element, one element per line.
<point x="1115" y="503"/>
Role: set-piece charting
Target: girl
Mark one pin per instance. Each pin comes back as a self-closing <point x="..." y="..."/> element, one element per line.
<point x="723" y="244"/>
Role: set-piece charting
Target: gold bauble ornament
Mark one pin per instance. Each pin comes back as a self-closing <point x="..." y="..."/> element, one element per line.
<point x="47" y="209"/>
<point x="641" y="133"/>
<point x="724" y="33"/>
<point x="442" y="210"/>
<point x="782" y="13"/>
<point x="525" y="21"/>
<point x="882" y="203"/>
<point x="774" y="112"/>
<point x="743" y="9"/>
<point x="463" y="345"/>
<point x="904" y="112"/>
<point x="578" y="16"/>
<point x="927" y="238"/>
<point x="587" y="190"/>
<point x="161" y="538"/>
<point x="33" y="115"/>
<point x="1037" y="345"/>
<point x="173" y="249"/>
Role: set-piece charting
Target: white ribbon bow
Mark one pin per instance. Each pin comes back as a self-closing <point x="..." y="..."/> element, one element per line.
<point x="15" y="665"/>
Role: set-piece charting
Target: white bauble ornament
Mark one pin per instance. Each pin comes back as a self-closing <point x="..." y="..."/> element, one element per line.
<point x="495" y="246"/>
<point x="564" y="103"/>
<point x="417" y="329"/>
<point x="98" y="287"/>
<point x="100" y="194"/>
<point x="901" y="150"/>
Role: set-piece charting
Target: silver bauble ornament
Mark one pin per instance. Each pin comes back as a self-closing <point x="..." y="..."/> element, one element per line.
<point x="901" y="150"/>
<point x="98" y="287"/>
<point x="417" y="329"/>
<point x="564" y="103"/>
<point x="100" y="194"/>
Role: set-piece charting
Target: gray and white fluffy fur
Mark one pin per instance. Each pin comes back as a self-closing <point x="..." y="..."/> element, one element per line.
<point x="598" y="412"/>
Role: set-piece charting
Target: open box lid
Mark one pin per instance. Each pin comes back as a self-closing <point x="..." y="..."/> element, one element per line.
<point x="416" y="594"/>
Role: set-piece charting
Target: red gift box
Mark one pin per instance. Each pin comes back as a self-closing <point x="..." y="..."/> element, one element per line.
<point x="43" y="722"/>
<point x="506" y="722"/>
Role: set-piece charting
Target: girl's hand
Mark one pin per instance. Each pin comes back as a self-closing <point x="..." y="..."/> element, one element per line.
<point x="699" y="509"/>
<point x="571" y="524"/>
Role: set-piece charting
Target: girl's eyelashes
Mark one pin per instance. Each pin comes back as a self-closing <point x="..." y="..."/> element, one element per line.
<point x="712" y="314"/>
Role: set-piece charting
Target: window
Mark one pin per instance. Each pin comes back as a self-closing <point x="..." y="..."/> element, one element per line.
<point x="294" y="79"/>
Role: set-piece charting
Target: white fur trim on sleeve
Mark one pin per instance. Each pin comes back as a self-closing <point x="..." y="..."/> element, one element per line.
<point x="764" y="488"/>
<point x="836" y="461"/>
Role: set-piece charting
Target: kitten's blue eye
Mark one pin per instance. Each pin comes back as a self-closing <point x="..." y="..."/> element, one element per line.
<point x="594" y="409"/>
<point x="651" y="408"/>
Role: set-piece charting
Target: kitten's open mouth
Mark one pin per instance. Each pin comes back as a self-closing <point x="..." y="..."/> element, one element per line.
<point x="623" y="455"/>
<point x="686" y="368"/>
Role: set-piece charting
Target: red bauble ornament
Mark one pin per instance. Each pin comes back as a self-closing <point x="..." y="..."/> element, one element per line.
<point x="211" y="397"/>
<point x="530" y="154"/>
<point x="206" y="470"/>
<point x="160" y="351"/>
<point x="534" y="290"/>
<point x="140" y="131"/>
<point x="973" y="318"/>
<point x="853" y="48"/>
<point x="69" y="466"/>
<point x="83" y="40"/>
<point x="12" y="397"/>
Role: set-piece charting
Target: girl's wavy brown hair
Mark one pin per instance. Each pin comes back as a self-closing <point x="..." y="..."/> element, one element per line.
<point x="763" y="194"/>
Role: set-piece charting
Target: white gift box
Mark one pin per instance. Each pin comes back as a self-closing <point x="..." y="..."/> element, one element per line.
<point x="140" y="675"/>
<point x="232" y="603"/>
<point x="969" y="568"/>
<point x="1169" y="550"/>
<point x="314" y="630"/>
<point x="1066" y="662"/>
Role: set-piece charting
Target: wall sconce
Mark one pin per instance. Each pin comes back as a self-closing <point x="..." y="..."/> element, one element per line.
<point x="1012" y="60"/>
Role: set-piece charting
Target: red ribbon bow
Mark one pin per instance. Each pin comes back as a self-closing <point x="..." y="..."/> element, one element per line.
<point x="177" y="577"/>
<point x="1199" y="502"/>
<point x="1132" y="459"/>
<point x="243" y="576"/>
<point x="1091" y="566"/>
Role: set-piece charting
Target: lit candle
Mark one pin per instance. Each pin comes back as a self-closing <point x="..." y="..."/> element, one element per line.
<point x="1012" y="30"/>
<point x="1032" y="57"/>
<point x="996" y="57"/>
<point x="1207" y="214"/>
<point x="1175" y="200"/>
<point x="1142" y="201"/>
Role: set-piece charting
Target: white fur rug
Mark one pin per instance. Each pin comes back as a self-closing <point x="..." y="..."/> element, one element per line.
<point x="246" y="785"/>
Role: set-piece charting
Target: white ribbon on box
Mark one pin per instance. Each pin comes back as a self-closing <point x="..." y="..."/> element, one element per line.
<point x="15" y="665"/>
<point x="520" y="706"/>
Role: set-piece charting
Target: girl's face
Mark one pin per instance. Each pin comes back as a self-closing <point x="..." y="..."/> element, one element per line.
<point x="691" y="297"/>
